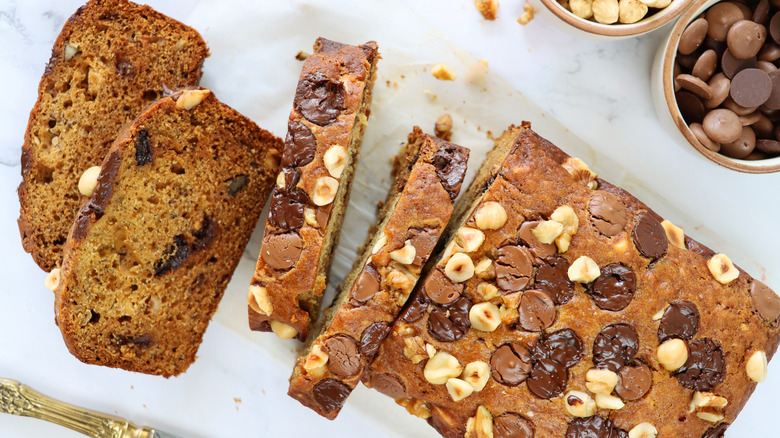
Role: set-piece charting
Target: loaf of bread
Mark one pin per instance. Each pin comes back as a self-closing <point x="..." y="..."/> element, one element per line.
<point x="428" y="177"/>
<point x="112" y="59"/>
<point x="581" y="314"/>
<point x="151" y="252"/>
<point x="325" y="129"/>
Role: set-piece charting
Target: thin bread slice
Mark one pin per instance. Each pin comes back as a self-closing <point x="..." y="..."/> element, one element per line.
<point x="325" y="129"/>
<point x="151" y="252"/>
<point x="112" y="59"/>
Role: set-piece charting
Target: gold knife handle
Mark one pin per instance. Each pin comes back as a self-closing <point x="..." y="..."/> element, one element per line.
<point x="19" y="399"/>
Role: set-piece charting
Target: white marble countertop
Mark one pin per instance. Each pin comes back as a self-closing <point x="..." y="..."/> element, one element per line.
<point x="599" y="90"/>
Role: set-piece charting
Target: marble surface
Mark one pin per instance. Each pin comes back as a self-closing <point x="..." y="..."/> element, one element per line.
<point x="599" y="90"/>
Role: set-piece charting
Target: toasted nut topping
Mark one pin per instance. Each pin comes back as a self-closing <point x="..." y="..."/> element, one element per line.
<point x="70" y="51"/>
<point x="722" y="269"/>
<point x="441" y="367"/>
<point x="527" y="15"/>
<point x="579" y="404"/>
<point x="584" y="270"/>
<point x="283" y="331"/>
<point x="605" y="401"/>
<point x="477" y="374"/>
<point x="89" y="180"/>
<point x="490" y="216"/>
<point x="756" y="367"/>
<point x="310" y="216"/>
<point x="444" y="73"/>
<point x="547" y="231"/>
<point x="405" y="255"/>
<point x="484" y="317"/>
<point x="674" y="234"/>
<point x="335" y="160"/>
<point x="379" y="243"/>
<point x="672" y="354"/>
<point x="600" y="381"/>
<point x="485" y="291"/>
<point x="484" y="269"/>
<point x="566" y="216"/>
<point x="458" y="389"/>
<point x="483" y="423"/>
<point x="190" y="98"/>
<point x="443" y="127"/>
<point x="579" y="170"/>
<point x="52" y="279"/>
<point x="643" y="430"/>
<point x="258" y="300"/>
<point x="488" y="8"/>
<point x="325" y="190"/>
<point x="280" y="180"/>
<point x="416" y="407"/>
<point x="415" y="349"/>
<point x="470" y="239"/>
<point x="316" y="358"/>
<point x="459" y="268"/>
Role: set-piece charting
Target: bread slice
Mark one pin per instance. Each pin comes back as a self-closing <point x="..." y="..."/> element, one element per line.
<point x="112" y="59"/>
<point x="330" y="112"/>
<point x="151" y="252"/>
<point x="428" y="177"/>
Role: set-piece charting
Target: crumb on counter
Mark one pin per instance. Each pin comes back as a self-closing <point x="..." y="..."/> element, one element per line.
<point x="527" y="16"/>
<point x="301" y="55"/>
<point x="488" y="8"/>
<point x="443" y="127"/>
<point x="444" y="73"/>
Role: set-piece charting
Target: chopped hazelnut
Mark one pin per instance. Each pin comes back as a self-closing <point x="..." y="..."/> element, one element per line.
<point x="672" y="354"/>
<point x="722" y="269"/>
<point x="484" y="316"/>
<point x="643" y="430"/>
<point x="441" y="367"/>
<point x="470" y="239"/>
<point x="70" y="51"/>
<point x="324" y="190"/>
<point x="310" y="216"/>
<point x="580" y="172"/>
<point x="89" y="180"/>
<point x="547" y="231"/>
<point x="335" y="160"/>
<point x="484" y="269"/>
<point x="459" y="267"/>
<point x="485" y="292"/>
<point x="382" y="241"/>
<point x="316" y="359"/>
<point x="405" y="255"/>
<point x="301" y="55"/>
<point x="481" y="423"/>
<point x="416" y="407"/>
<point x="477" y="374"/>
<point x="527" y="15"/>
<point x="756" y="368"/>
<point x="601" y="381"/>
<point x="579" y="404"/>
<point x="605" y="401"/>
<point x="449" y="250"/>
<point x="259" y="301"/>
<point x="584" y="270"/>
<point x="458" y="389"/>
<point x="190" y="98"/>
<point x="52" y="279"/>
<point x="488" y="8"/>
<point x="674" y="234"/>
<point x="443" y="127"/>
<point x="414" y="349"/>
<point x="283" y="331"/>
<point x="444" y="73"/>
<point x="280" y="180"/>
<point x="708" y="406"/>
<point x="490" y="216"/>
<point x="566" y="216"/>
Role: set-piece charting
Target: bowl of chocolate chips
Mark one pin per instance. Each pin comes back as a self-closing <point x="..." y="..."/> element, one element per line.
<point x="716" y="82"/>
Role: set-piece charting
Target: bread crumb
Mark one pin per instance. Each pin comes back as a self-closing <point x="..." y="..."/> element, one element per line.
<point x="443" y="127"/>
<point x="484" y="62"/>
<point x="488" y="8"/>
<point x="237" y="401"/>
<point x="301" y="55"/>
<point x="527" y="16"/>
<point x="444" y="73"/>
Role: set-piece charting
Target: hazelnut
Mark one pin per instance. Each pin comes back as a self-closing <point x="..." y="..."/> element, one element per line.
<point x="441" y="367"/>
<point x="316" y="358"/>
<point x="190" y="98"/>
<point x="547" y="231"/>
<point x="722" y="269"/>
<point x="324" y="190"/>
<point x="580" y="172"/>
<point x="659" y="314"/>
<point x="481" y="424"/>
<point x="52" y="279"/>
<point x="280" y="180"/>
<point x="470" y="239"/>
<point x="485" y="292"/>
<point x="509" y="314"/>
<point x="459" y="268"/>
<point x="601" y="381"/>
<point x="442" y="72"/>
<point x="283" y="331"/>
<point x="416" y="407"/>
<point x="458" y="389"/>
<point x="430" y="349"/>
<point x="484" y="269"/>
<point x="658" y="4"/>
<point x="449" y="250"/>
<point x="310" y="216"/>
<point x="527" y="15"/>
<point x="584" y="270"/>
<point x="382" y="241"/>
<point x="643" y="430"/>
<point x="566" y="216"/>
<point x="335" y="160"/>
<point x="582" y="8"/>
<point x="712" y="417"/>
<point x="605" y="11"/>
<point x="512" y="300"/>
<point x="477" y="374"/>
<point x="708" y="406"/>
<point x="631" y="11"/>
<point x="756" y="367"/>
<point x="490" y="216"/>
<point x="674" y="234"/>
<point x="443" y="127"/>
<point x="415" y="349"/>
<point x="258" y="300"/>
<point x="606" y="401"/>
<point x="579" y="404"/>
<point x="405" y="255"/>
<point x="672" y="354"/>
<point x="488" y="8"/>
<point x="484" y="316"/>
<point x="70" y="51"/>
<point x="89" y="180"/>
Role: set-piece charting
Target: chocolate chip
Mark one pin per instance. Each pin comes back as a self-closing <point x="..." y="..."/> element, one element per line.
<point x="450" y="322"/>
<point x="705" y="67"/>
<point x="614" y="347"/>
<point x="536" y="311"/>
<point x="299" y="146"/>
<point x="143" y="341"/>
<point x="319" y="99"/>
<point x="614" y="288"/>
<point x="680" y="320"/>
<point x="694" y="85"/>
<point x="547" y="379"/>
<point x="732" y="65"/>
<point x="286" y="209"/>
<point x="174" y="256"/>
<point x="562" y="346"/>
<point x="416" y="307"/>
<point x="366" y="285"/>
<point x="440" y="289"/>
<point x="423" y="241"/>
<point x="693" y="36"/>
<point x="765" y="300"/>
<point x="691" y="107"/>
<point x="511" y="425"/>
<point x="761" y="13"/>
<point x="768" y="146"/>
<point x="592" y="427"/>
<point x="742" y="146"/>
<point x="330" y="394"/>
<point x="281" y="251"/>
<point x="774" y="27"/>
<point x="607" y="213"/>
<point x="634" y="381"/>
<point x="450" y="162"/>
<point x="343" y="356"/>
<point x="388" y="385"/>
<point x="514" y="268"/>
<point x="718" y="431"/>
<point x="510" y="364"/>
<point x="721" y="17"/>
<point x="745" y="38"/>
<point x="751" y="87"/>
<point x="143" y="150"/>
<point x="541" y="250"/>
<point x="552" y="278"/>
<point x="773" y="102"/>
<point x="372" y="338"/>
<point x="649" y="236"/>
<point x="722" y="125"/>
<point x="705" y="367"/>
<point x="236" y="184"/>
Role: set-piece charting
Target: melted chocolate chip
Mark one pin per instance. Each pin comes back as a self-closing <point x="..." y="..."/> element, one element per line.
<point x="607" y="213"/>
<point x="423" y="241"/>
<point x="330" y="394"/>
<point x="511" y="425"/>
<point x="547" y="379"/>
<point x="680" y="320"/>
<point x="440" y="289"/>
<point x="366" y="285"/>
<point x="536" y="311"/>
<point x="552" y="278"/>
<point x="286" y="210"/>
<point x="510" y="364"/>
<point x="281" y="251"/>
<point x="614" y="347"/>
<point x="143" y="150"/>
<point x="388" y="385"/>
<point x="450" y="322"/>
<point x="450" y="163"/>
<point x="174" y="256"/>
<point x="415" y="307"/>
<point x="563" y="347"/>
<point x="343" y="356"/>
<point x="649" y="237"/>
<point x="372" y="337"/>
<point x="514" y="268"/>
<point x="299" y="146"/>
<point x="765" y="300"/>
<point x="319" y="99"/>
<point x="634" y="381"/>
<point x="718" y="431"/>
<point x="205" y="234"/>
<point x="705" y="367"/>
<point x="614" y="288"/>
<point x="593" y="427"/>
<point x="526" y="235"/>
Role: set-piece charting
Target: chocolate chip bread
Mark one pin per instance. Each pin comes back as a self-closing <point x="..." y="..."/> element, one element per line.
<point x="330" y="111"/>
<point x="582" y="313"/>
<point x="112" y="59"/>
<point x="151" y="252"/>
<point x="428" y="177"/>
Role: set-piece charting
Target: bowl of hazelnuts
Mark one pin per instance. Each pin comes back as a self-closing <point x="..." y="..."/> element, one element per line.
<point x="612" y="19"/>
<point x="716" y="82"/>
